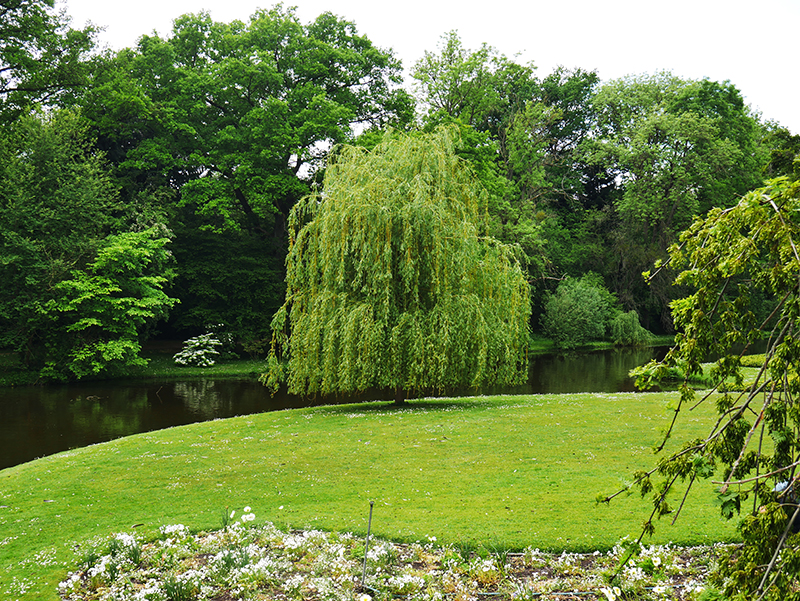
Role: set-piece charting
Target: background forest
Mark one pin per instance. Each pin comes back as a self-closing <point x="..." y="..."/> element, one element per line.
<point x="146" y="192"/>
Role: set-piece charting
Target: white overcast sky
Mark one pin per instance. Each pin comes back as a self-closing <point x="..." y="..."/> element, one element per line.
<point x="752" y="43"/>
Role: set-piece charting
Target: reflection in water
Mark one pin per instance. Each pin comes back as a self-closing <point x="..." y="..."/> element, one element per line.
<point x="38" y="421"/>
<point x="199" y="397"/>
<point x="594" y="372"/>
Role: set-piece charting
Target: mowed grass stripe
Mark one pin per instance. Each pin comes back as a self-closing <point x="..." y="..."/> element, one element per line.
<point x="502" y="472"/>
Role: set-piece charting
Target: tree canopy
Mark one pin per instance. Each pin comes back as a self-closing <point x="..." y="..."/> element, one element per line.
<point x="227" y="125"/>
<point x="482" y="88"/>
<point x="239" y="115"/>
<point x="41" y="56"/>
<point x="216" y="130"/>
<point x="391" y="283"/>
<point x="675" y="148"/>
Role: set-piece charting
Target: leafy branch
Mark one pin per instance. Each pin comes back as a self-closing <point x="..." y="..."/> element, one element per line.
<point x="730" y="258"/>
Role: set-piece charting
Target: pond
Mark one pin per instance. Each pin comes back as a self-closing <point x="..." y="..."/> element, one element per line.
<point x="42" y="420"/>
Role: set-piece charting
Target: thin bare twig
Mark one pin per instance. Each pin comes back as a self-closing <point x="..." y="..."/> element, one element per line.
<point x="775" y="556"/>
<point x="683" y="501"/>
<point x="762" y="476"/>
<point x="767" y="399"/>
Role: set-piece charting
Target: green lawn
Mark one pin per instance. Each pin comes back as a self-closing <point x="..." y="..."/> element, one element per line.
<point x="501" y="471"/>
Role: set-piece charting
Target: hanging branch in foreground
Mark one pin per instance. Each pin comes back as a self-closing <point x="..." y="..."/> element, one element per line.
<point x="744" y="267"/>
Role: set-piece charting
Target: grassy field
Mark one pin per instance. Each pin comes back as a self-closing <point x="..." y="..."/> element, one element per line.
<point x="505" y="472"/>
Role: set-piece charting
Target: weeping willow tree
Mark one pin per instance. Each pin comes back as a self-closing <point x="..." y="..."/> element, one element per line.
<point x="391" y="283"/>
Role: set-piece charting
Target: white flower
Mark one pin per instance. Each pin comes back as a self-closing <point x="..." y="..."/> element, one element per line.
<point x="126" y="539"/>
<point x="177" y="529"/>
<point x="661" y="589"/>
<point x="487" y="565"/>
<point x="611" y="595"/>
<point x="634" y="573"/>
<point x="148" y="592"/>
<point x="405" y="583"/>
<point x="247" y="509"/>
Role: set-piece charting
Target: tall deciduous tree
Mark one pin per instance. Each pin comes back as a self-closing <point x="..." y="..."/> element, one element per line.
<point x="391" y="283"/>
<point x="234" y="120"/>
<point x="41" y="56"/>
<point x="676" y="148"/>
<point x="672" y="144"/>
<point x="239" y="115"/>
<point x="480" y="88"/>
<point x="729" y="261"/>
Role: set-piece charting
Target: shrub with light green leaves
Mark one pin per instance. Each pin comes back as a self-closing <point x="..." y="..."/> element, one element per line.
<point x="627" y="331"/>
<point x="578" y="312"/>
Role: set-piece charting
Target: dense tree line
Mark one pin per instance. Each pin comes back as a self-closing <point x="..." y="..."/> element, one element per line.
<point x="193" y="149"/>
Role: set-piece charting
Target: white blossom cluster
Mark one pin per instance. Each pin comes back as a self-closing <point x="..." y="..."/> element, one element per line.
<point x="248" y="561"/>
<point x="199" y="351"/>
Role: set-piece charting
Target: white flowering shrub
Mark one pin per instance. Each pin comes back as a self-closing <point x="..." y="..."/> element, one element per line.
<point x="199" y="351"/>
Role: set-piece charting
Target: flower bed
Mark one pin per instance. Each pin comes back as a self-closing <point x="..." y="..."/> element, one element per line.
<point x="248" y="561"/>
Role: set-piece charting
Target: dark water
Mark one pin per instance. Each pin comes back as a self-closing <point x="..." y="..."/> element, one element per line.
<point x="41" y="420"/>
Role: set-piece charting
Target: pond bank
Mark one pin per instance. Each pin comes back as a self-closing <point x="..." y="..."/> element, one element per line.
<point x="42" y="420"/>
<point x="161" y="364"/>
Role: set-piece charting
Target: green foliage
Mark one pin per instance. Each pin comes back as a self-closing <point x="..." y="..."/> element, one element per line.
<point x="229" y="278"/>
<point x="729" y="260"/>
<point x="56" y="202"/>
<point x="227" y="125"/>
<point x="390" y="282"/>
<point x="542" y="140"/>
<point x="78" y="289"/>
<point x="578" y="312"/>
<point x="528" y="142"/>
<point x="677" y="148"/>
<point x="41" y="57"/>
<point x="741" y="569"/>
<point x="93" y="321"/>
<point x="784" y="150"/>
<point x="478" y="87"/>
<point x="531" y="133"/>
<point x="241" y="114"/>
<point x="626" y="330"/>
